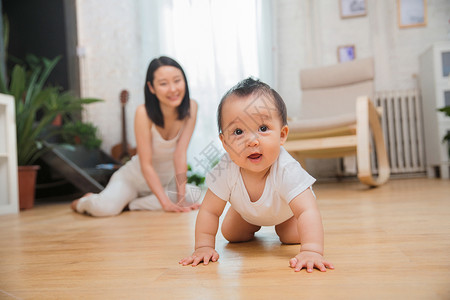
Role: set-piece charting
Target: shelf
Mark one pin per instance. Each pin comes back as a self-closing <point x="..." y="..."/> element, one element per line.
<point x="8" y="157"/>
<point x="435" y="87"/>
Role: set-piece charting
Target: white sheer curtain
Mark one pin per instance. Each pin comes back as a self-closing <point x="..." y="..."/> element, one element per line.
<point x="218" y="43"/>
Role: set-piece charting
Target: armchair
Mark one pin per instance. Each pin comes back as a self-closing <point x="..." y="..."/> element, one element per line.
<point x="338" y="119"/>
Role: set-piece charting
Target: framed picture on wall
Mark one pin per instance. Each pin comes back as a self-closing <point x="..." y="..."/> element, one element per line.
<point x="412" y="13"/>
<point x="346" y="53"/>
<point x="352" y="8"/>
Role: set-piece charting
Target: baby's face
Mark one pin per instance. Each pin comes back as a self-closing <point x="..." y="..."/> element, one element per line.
<point x="252" y="132"/>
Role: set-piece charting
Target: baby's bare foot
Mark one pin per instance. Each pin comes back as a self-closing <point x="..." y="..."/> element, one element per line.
<point x="74" y="203"/>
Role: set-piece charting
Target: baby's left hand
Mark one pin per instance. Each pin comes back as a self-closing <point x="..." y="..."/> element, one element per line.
<point x="309" y="260"/>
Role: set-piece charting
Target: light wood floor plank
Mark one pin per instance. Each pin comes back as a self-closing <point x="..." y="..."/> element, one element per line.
<point x="391" y="242"/>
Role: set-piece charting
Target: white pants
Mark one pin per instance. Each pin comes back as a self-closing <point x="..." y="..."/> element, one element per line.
<point x="127" y="186"/>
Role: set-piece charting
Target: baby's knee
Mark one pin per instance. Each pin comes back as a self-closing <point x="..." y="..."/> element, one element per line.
<point x="289" y="240"/>
<point x="233" y="236"/>
<point x="226" y="233"/>
<point x="288" y="237"/>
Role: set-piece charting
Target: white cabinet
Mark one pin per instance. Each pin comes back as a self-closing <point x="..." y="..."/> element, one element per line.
<point x="435" y="88"/>
<point x="8" y="157"/>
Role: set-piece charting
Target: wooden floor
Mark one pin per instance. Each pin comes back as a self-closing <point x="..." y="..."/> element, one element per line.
<point x="391" y="242"/>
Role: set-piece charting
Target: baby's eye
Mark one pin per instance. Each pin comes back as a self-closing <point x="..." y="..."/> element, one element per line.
<point x="237" y="131"/>
<point x="263" y="128"/>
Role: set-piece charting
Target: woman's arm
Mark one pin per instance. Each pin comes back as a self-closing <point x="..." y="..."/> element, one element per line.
<point x="206" y="228"/>
<point x="142" y="130"/>
<point x="180" y="154"/>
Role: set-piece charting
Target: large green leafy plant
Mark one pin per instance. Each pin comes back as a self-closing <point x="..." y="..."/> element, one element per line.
<point x="37" y="105"/>
<point x="446" y="111"/>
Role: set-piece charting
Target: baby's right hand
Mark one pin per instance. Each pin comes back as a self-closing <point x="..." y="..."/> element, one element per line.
<point x="204" y="254"/>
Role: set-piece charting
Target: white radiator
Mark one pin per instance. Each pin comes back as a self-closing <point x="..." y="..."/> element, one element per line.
<point x="402" y="127"/>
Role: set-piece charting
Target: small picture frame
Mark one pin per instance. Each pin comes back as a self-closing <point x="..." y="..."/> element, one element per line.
<point x="411" y="13"/>
<point x="346" y="53"/>
<point x="352" y="8"/>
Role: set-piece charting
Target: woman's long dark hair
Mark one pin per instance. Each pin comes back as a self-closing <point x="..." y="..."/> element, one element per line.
<point x="152" y="103"/>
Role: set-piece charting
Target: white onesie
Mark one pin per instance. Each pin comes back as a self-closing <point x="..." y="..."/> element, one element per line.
<point x="286" y="180"/>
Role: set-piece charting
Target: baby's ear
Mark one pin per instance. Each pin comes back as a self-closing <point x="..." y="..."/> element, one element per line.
<point x="224" y="142"/>
<point x="284" y="134"/>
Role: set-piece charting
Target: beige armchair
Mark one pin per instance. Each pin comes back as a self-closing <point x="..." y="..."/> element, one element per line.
<point x="338" y="119"/>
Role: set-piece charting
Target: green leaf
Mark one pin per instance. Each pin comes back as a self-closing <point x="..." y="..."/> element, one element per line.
<point x="49" y="66"/>
<point x="3" y="88"/>
<point x="17" y="85"/>
<point x="445" y="110"/>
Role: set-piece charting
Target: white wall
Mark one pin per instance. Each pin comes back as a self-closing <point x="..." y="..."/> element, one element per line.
<point x="308" y="32"/>
<point x="116" y="56"/>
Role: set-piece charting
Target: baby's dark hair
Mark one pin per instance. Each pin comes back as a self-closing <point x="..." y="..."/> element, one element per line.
<point x="251" y="86"/>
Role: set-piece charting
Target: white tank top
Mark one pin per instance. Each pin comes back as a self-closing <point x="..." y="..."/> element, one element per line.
<point x="162" y="155"/>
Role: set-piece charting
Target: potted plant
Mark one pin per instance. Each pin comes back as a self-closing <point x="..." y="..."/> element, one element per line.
<point x="81" y="133"/>
<point x="446" y="110"/>
<point x="36" y="106"/>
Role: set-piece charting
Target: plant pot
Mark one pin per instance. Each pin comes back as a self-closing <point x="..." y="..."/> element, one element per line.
<point x="27" y="184"/>
<point x="57" y="121"/>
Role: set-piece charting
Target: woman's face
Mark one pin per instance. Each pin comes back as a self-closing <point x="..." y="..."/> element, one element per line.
<point x="168" y="86"/>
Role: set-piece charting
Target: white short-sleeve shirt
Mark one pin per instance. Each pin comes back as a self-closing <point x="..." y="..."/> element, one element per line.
<point x="286" y="180"/>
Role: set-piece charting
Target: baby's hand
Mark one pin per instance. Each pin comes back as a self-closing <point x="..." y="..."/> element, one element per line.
<point x="309" y="260"/>
<point x="204" y="254"/>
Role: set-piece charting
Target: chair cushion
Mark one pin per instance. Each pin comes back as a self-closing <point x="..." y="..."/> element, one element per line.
<point x="332" y="90"/>
<point x="337" y="75"/>
<point x="335" y="101"/>
<point x="298" y="126"/>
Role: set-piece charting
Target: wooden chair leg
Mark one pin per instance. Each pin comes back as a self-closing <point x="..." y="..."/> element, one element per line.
<point x="367" y="120"/>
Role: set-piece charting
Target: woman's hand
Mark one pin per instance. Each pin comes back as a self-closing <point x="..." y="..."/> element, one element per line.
<point x="205" y="254"/>
<point x="185" y="203"/>
<point x="169" y="206"/>
<point x="195" y="206"/>
<point x="309" y="260"/>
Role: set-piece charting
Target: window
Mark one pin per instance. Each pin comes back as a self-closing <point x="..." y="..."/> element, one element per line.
<point x="218" y="43"/>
